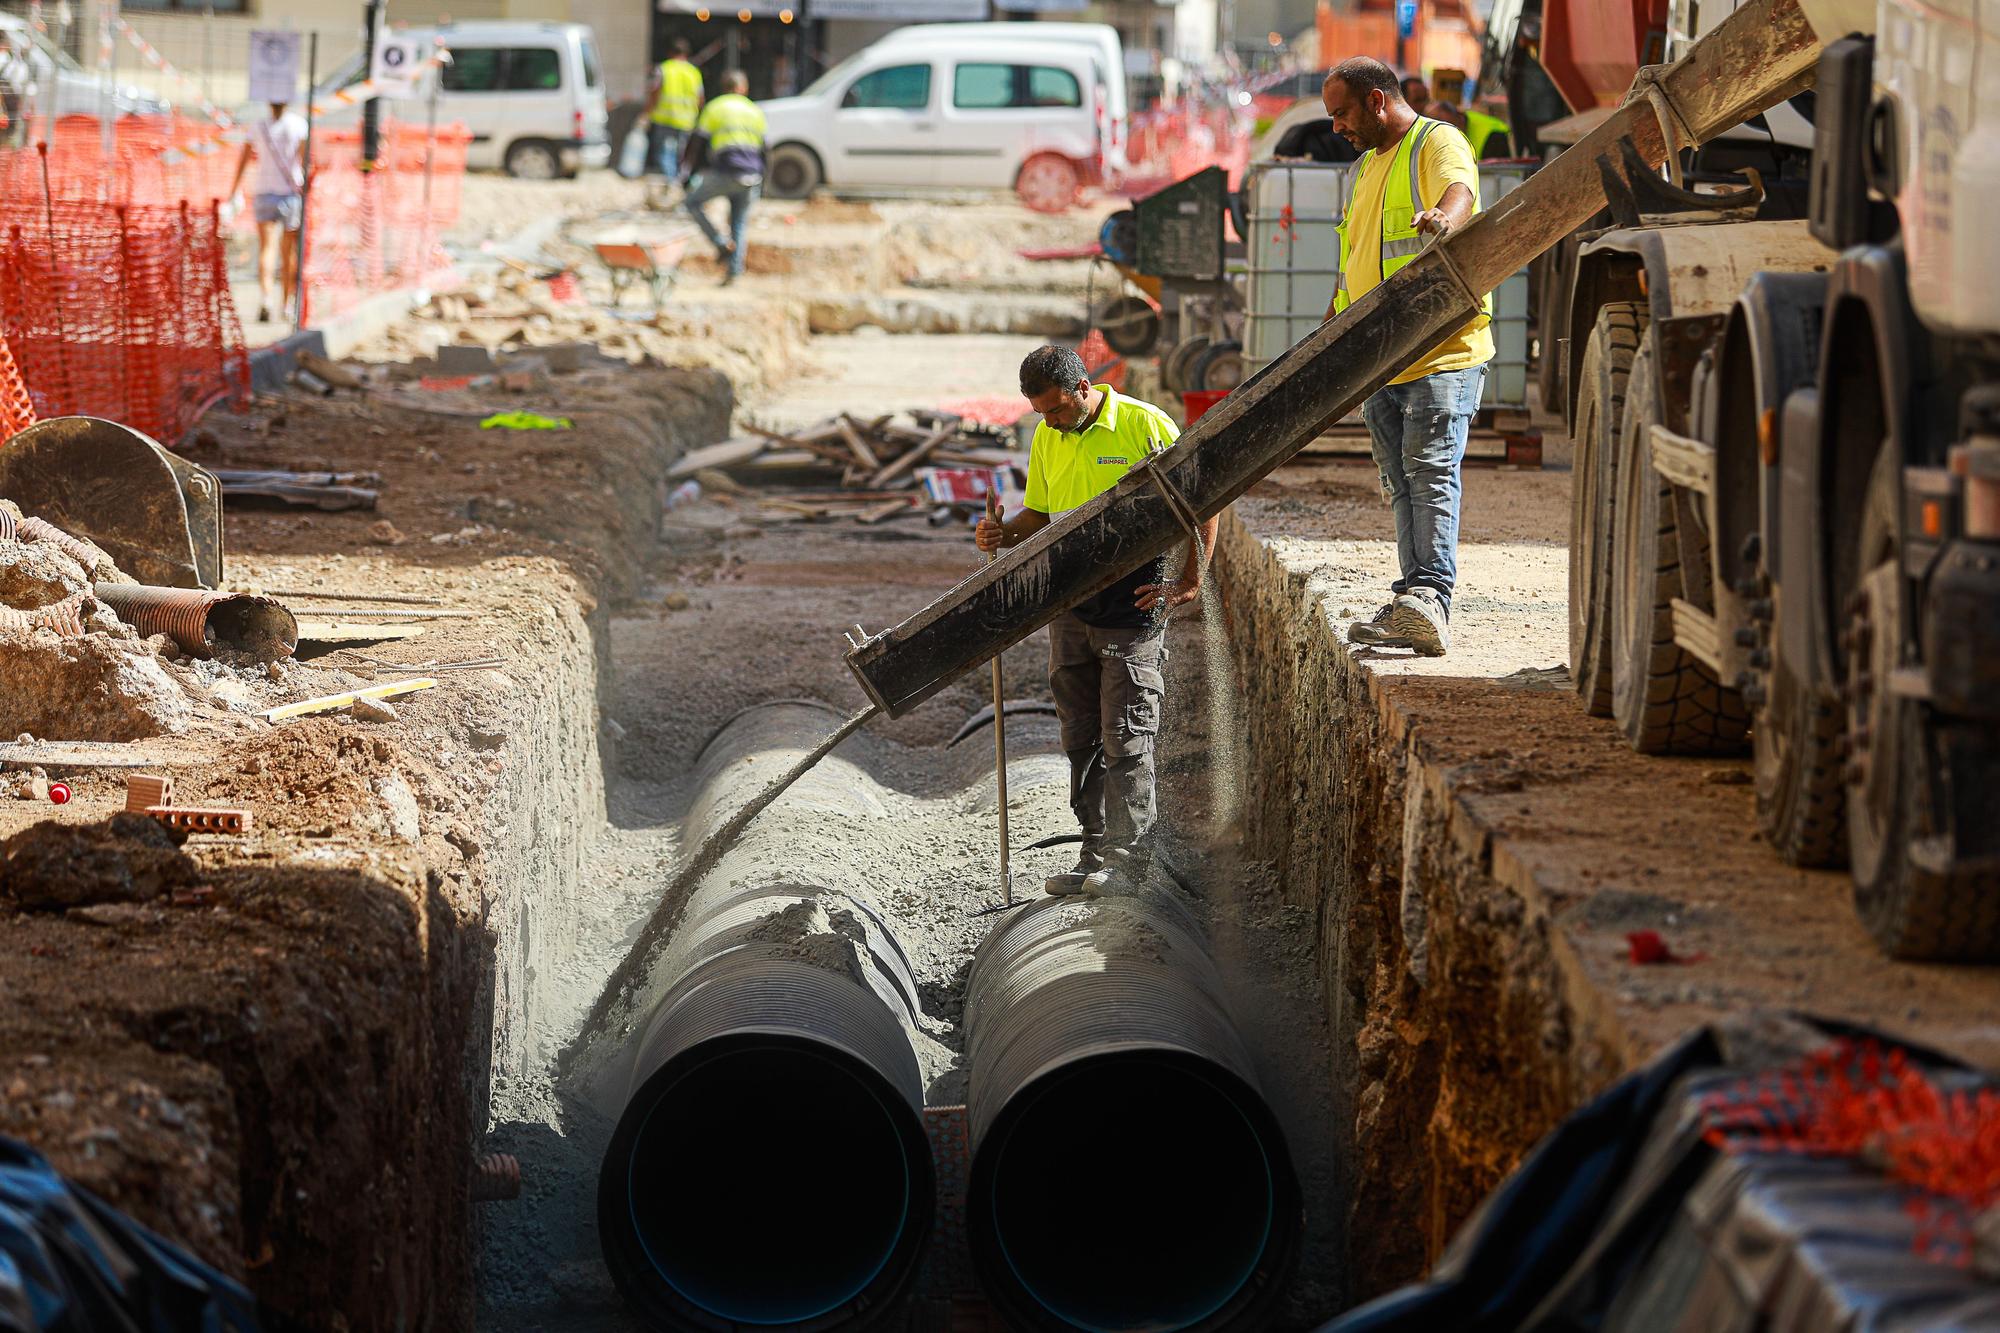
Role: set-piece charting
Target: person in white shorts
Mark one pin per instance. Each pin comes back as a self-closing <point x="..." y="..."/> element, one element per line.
<point x="277" y="202"/>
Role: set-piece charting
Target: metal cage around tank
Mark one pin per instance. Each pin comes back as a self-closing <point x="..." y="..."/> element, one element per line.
<point x="1293" y="252"/>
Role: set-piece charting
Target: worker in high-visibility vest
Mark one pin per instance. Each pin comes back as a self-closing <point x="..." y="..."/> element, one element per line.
<point x="676" y="95"/>
<point x="1417" y="180"/>
<point x="1490" y="135"/>
<point x="725" y="160"/>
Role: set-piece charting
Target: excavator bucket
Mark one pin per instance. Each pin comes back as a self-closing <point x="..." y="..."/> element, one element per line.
<point x="153" y="512"/>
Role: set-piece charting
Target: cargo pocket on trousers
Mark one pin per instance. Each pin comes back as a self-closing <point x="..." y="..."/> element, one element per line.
<point x="1139" y="714"/>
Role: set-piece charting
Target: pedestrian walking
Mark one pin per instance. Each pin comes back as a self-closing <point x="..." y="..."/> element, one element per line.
<point x="676" y="96"/>
<point x="726" y="161"/>
<point x="278" y="204"/>
<point x="1106" y="654"/>
<point x="1416" y="179"/>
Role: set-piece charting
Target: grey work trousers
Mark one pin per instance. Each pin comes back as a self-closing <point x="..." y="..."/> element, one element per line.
<point x="1108" y="688"/>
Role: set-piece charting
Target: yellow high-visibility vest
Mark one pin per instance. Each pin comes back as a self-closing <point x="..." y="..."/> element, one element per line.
<point x="1401" y="241"/>
<point x="1479" y="127"/>
<point x="731" y="121"/>
<point x="679" y="101"/>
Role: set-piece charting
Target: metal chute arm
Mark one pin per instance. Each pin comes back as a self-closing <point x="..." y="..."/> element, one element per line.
<point x="1762" y="54"/>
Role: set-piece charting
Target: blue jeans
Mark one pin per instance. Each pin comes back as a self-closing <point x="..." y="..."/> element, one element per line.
<point x="667" y="145"/>
<point x="1418" y="431"/>
<point x="720" y="185"/>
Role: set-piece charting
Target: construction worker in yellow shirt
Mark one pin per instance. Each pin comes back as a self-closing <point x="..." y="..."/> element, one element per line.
<point x="725" y="160"/>
<point x="676" y="94"/>
<point x="1417" y="180"/>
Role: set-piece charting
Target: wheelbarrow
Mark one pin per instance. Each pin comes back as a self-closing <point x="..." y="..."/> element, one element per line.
<point x="653" y="260"/>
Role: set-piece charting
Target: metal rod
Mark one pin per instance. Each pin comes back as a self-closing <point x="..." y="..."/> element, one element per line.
<point x="305" y="186"/>
<point x="1000" y="735"/>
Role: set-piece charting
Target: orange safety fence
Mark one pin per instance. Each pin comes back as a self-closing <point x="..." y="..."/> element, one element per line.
<point x="376" y="231"/>
<point x="17" y="410"/>
<point x="119" y="310"/>
<point x="154" y="160"/>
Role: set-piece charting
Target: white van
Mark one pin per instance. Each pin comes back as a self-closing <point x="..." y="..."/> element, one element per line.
<point x="1101" y="38"/>
<point x="65" y="88"/>
<point x="532" y="94"/>
<point x="943" y="114"/>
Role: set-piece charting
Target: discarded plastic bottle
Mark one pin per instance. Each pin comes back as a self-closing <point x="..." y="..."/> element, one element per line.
<point x="685" y="493"/>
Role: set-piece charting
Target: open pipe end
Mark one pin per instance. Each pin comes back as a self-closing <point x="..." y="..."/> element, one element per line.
<point x="1145" y="1189"/>
<point x="762" y="1179"/>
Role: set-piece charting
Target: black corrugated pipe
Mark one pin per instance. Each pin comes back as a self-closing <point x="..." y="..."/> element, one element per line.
<point x="1126" y="1171"/>
<point x="770" y="1168"/>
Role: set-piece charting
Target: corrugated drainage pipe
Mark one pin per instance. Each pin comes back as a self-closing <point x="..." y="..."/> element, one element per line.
<point x="201" y="621"/>
<point x="770" y="1167"/>
<point x="1126" y="1171"/>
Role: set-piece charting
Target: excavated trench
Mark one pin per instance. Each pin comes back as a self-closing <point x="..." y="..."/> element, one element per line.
<point x="836" y="1093"/>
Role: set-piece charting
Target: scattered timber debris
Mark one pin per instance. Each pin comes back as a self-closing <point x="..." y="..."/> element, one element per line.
<point x="868" y="471"/>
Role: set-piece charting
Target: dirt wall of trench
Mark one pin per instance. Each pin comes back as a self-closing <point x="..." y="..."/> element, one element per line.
<point x="277" y="1050"/>
<point x="1458" y="1037"/>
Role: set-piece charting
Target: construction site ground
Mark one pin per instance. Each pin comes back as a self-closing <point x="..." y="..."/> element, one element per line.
<point x="284" y="1049"/>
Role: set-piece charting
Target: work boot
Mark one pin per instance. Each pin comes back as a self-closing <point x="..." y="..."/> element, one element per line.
<point x="1088" y="863"/>
<point x="1378" y="632"/>
<point x="1122" y="872"/>
<point x="1423" y="620"/>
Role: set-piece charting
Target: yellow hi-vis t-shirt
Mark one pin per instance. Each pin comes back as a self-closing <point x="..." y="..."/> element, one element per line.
<point x="1068" y="471"/>
<point x="1446" y="158"/>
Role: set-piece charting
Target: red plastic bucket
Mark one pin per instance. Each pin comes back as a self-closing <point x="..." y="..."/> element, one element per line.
<point x="1197" y="401"/>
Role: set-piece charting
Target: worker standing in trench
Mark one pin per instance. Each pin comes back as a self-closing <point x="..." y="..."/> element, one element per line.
<point x="1106" y="653"/>
<point x="1416" y="180"/>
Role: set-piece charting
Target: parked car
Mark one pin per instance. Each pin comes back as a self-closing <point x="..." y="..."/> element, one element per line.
<point x="532" y="94"/>
<point x="76" y="90"/>
<point x="943" y="114"/>
<point x="1101" y="38"/>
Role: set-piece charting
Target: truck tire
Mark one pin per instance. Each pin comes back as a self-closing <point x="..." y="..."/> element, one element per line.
<point x="1912" y="912"/>
<point x="1664" y="699"/>
<point x="1607" y="368"/>
<point x="1218" y="367"/>
<point x="793" y="171"/>
<point x="1177" y="366"/>
<point x="1795" y="741"/>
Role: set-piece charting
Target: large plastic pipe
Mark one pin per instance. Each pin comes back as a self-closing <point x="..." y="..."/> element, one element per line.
<point x="1126" y="1171"/>
<point x="770" y="1168"/>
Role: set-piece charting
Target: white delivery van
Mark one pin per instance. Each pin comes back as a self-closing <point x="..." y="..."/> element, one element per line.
<point x="1101" y="38"/>
<point x="942" y="114"/>
<point x="532" y="94"/>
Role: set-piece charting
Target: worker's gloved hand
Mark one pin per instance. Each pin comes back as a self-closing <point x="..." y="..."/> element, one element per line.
<point x="989" y="536"/>
<point x="1433" y="221"/>
<point x="1174" y="595"/>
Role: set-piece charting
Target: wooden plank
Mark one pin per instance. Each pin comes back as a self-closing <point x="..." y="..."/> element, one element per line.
<point x="351" y="631"/>
<point x="729" y="453"/>
<point x="914" y="456"/>
<point x="862" y="453"/>
<point x="327" y="703"/>
<point x="831" y="453"/>
<point x="887" y="509"/>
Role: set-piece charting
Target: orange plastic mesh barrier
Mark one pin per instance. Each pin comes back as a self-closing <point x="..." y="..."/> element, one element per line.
<point x="381" y="230"/>
<point x="17" y="412"/>
<point x="1857" y="1100"/>
<point x="154" y="160"/>
<point x="120" y="311"/>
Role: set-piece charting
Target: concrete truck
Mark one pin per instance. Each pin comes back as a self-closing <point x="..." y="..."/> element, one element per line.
<point x="1783" y="386"/>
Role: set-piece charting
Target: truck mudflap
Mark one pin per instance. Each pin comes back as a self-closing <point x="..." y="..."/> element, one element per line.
<point x="1760" y="55"/>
